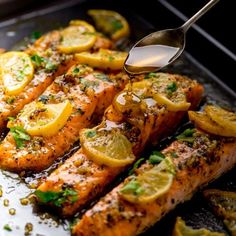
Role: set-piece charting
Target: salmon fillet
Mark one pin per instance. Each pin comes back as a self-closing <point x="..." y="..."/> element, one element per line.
<point x="89" y="179"/>
<point x="89" y="91"/>
<point x="46" y="48"/>
<point x="196" y="165"/>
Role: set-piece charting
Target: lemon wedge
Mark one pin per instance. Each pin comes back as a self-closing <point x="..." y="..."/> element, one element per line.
<point x="204" y="122"/>
<point x="78" y="37"/>
<point x="16" y="71"/>
<point x="108" y="147"/>
<point x="110" y="23"/>
<point x="43" y="119"/>
<point x="103" y="59"/>
<point x="149" y="185"/>
<point x="181" y="229"/>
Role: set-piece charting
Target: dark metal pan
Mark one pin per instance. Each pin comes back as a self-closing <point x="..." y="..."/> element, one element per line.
<point x="196" y="211"/>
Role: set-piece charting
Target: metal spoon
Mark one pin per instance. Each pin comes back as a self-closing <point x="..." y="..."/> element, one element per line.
<point x="161" y="48"/>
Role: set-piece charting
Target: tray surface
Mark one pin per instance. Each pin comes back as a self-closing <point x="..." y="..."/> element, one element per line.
<point x="196" y="212"/>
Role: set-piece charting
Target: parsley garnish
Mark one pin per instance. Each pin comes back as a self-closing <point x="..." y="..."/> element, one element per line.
<point x="44" y="99"/>
<point x="20" y="136"/>
<point x="102" y="76"/>
<point x="35" y="35"/>
<point x="156" y="157"/>
<point x="90" y="133"/>
<point x="133" y="187"/>
<point x="7" y="227"/>
<point x="136" y="165"/>
<point x="50" y="66"/>
<point x="37" y="60"/>
<point x="150" y="75"/>
<point x="40" y="61"/>
<point x="10" y="100"/>
<point x="76" y="70"/>
<point x="10" y="118"/>
<point x="116" y="25"/>
<point x="171" y="88"/>
<point x="186" y="136"/>
<point x="57" y="198"/>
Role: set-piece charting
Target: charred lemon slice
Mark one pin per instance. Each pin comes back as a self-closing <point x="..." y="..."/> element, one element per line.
<point x="222" y="117"/>
<point x="108" y="147"/>
<point x="149" y="185"/>
<point x="204" y="122"/>
<point x="224" y="205"/>
<point x="110" y="23"/>
<point x="44" y="119"/>
<point x="16" y="71"/>
<point x="181" y="229"/>
<point x="103" y="59"/>
<point x="78" y="37"/>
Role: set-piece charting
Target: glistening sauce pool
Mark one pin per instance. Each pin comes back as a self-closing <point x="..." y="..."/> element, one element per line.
<point x="149" y="58"/>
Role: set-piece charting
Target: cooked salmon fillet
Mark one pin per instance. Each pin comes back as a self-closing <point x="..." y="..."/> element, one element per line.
<point x="45" y="47"/>
<point x="88" y="178"/>
<point x="196" y="165"/>
<point x="89" y="91"/>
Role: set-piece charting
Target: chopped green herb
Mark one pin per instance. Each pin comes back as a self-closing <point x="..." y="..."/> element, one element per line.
<point x="111" y="58"/>
<point x="20" y="136"/>
<point x="37" y="60"/>
<point x="133" y="187"/>
<point x="50" y="66"/>
<point x="90" y="133"/>
<point x="174" y="155"/>
<point x="171" y="88"/>
<point x="136" y="165"/>
<point x="10" y="100"/>
<point x="7" y="227"/>
<point x="76" y="70"/>
<point x="156" y="157"/>
<point x="80" y="111"/>
<point x="87" y="83"/>
<point x="102" y="76"/>
<point x="44" y="99"/>
<point x="10" y="118"/>
<point x="57" y="198"/>
<point x="150" y="75"/>
<point x="35" y="35"/>
<point x="116" y="25"/>
<point x="187" y="136"/>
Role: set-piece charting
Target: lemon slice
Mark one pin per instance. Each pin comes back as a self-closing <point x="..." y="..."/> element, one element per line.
<point x="103" y="59"/>
<point x="110" y="23"/>
<point x="204" y="122"/>
<point x="78" y="37"/>
<point x="44" y="119"/>
<point x="181" y="229"/>
<point x="222" y="117"/>
<point x="224" y="205"/>
<point x="149" y="185"/>
<point x="16" y="71"/>
<point x="108" y="147"/>
<point x="167" y="91"/>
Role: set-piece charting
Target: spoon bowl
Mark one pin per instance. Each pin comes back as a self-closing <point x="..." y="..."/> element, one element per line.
<point x="160" y="48"/>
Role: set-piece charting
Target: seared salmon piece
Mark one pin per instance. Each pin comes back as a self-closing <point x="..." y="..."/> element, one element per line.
<point x="89" y="91"/>
<point x="195" y="164"/>
<point x="89" y="179"/>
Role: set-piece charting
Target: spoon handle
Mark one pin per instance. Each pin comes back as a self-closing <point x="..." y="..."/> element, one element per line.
<point x="201" y="12"/>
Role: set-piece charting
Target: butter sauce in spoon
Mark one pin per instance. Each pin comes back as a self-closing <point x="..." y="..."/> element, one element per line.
<point x="161" y="48"/>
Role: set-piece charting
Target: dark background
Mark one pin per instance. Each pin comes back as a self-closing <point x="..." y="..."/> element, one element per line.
<point x="218" y="23"/>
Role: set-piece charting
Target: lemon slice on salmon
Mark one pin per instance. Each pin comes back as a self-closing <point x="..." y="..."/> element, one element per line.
<point x="42" y="119"/>
<point x="78" y="37"/>
<point x="108" y="147"/>
<point x="181" y="229"/>
<point x="110" y="23"/>
<point x="103" y="59"/>
<point x="16" y="71"/>
<point x="204" y="122"/>
<point x="149" y="185"/>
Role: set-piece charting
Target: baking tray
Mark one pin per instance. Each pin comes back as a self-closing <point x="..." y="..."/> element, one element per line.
<point x="45" y="223"/>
